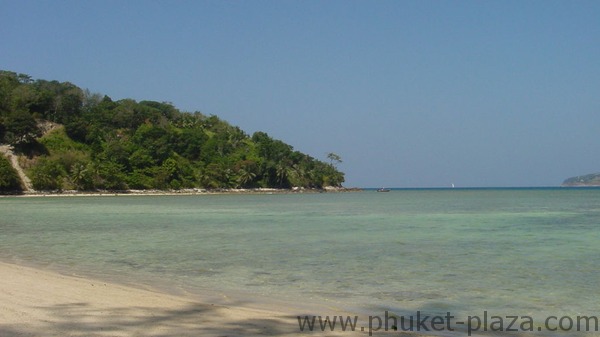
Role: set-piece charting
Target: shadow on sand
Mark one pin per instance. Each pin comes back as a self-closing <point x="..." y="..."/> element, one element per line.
<point x="80" y="319"/>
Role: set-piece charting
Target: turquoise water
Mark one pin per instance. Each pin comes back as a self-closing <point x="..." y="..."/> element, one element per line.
<point x="507" y="251"/>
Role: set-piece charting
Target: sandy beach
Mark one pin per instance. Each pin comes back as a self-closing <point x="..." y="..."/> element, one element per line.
<point x="35" y="302"/>
<point x="230" y="191"/>
<point x="41" y="303"/>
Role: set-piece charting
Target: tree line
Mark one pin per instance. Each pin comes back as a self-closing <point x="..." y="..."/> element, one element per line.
<point x="125" y="144"/>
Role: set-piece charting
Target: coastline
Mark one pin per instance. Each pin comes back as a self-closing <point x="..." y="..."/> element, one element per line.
<point x="234" y="299"/>
<point x="194" y="191"/>
<point x="35" y="302"/>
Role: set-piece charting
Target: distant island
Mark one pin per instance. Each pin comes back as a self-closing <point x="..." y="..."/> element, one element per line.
<point x="56" y="137"/>
<point x="585" y="180"/>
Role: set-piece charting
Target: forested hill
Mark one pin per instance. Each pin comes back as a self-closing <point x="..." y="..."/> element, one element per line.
<point x="585" y="180"/>
<point x="69" y="138"/>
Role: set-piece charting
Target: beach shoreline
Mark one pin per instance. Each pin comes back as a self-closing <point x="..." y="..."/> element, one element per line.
<point x="42" y="305"/>
<point x="194" y="191"/>
<point x="36" y="302"/>
<point x="39" y="302"/>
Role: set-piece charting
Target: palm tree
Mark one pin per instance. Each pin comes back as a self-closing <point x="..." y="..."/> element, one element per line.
<point x="79" y="175"/>
<point x="281" y="171"/>
<point x="245" y="177"/>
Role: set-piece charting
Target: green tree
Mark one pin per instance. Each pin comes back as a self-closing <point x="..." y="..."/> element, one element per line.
<point x="9" y="179"/>
<point x="21" y="128"/>
<point x="68" y="103"/>
<point x="246" y="172"/>
<point x="81" y="176"/>
<point x="189" y="143"/>
<point x="8" y="82"/>
<point x="334" y="159"/>
<point x="24" y="97"/>
<point x="110" y="176"/>
<point x="47" y="175"/>
<point x="156" y="140"/>
<point x="245" y="178"/>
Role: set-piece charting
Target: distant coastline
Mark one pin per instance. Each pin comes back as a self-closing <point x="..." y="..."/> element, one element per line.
<point x="265" y="191"/>
<point x="588" y="180"/>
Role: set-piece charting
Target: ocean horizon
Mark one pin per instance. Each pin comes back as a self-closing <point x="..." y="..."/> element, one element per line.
<point x="481" y="188"/>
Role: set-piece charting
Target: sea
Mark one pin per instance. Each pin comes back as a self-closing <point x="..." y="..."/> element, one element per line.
<point x="465" y="253"/>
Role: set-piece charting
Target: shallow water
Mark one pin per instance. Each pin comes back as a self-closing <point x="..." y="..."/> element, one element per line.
<point x="506" y="251"/>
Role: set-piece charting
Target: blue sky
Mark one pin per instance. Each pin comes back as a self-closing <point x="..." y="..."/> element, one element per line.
<point x="408" y="93"/>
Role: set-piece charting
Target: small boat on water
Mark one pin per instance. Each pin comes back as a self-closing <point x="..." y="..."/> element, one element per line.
<point x="383" y="189"/>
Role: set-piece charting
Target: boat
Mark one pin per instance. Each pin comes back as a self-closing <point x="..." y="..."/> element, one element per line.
<point x="383" y="189"/>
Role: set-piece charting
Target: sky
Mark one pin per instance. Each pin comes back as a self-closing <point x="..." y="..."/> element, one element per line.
<point x="409" y="93"/>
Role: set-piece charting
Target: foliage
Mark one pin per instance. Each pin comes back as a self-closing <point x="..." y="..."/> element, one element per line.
<point x="9" y="178"/>
<point x="585" y="180"/>
<point x="20" y="128"/>
<point x="334" y="158"/>
<point x="116" y="145"/>
<point x="47" y="174"/>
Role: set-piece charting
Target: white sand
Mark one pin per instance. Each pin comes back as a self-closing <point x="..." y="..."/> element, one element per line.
<point x="40" y="303"/>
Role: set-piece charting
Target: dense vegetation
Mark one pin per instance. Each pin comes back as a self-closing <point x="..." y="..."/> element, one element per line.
<point x="125" y="144"/>
<point x="9" y="179"/>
